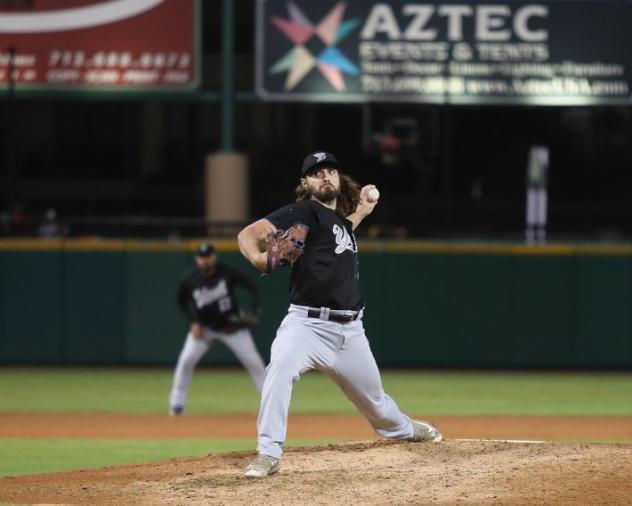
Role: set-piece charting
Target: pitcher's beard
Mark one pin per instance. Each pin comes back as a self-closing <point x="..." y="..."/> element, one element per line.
<point x="327" y="194"/>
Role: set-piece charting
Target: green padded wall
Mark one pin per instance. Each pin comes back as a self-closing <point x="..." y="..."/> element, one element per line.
<point x="154" y="329"/>
<point x="95" y="294"/>
<point x="604" y="312"/>
<point x="31" y="312"/>
<point x="431" y="307"/>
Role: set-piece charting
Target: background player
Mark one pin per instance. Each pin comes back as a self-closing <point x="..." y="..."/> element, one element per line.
<point x="323" y="328"/>
<point x="207" y="298"/>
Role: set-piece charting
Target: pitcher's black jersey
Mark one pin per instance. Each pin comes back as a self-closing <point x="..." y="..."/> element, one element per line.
<point x="326" y="274"/>
<point x="211" y="300"/>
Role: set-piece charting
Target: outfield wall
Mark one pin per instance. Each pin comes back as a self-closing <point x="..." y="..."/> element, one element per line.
<point x="428" y="304"/>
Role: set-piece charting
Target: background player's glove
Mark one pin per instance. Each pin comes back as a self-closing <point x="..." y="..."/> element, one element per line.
<point x="284" y="247"/>
<point x="243" y="319"/>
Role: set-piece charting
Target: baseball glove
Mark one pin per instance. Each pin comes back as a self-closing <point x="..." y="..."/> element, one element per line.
<point x="285" y="246"/>
<point x="243" y="319"/>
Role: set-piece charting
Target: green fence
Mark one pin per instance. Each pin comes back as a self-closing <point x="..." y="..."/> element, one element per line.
<point x="428" y="305"/>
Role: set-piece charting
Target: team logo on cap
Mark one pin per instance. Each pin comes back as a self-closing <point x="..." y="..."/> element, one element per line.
<point x="320" y="156"/>
<point x="330" y="62"/>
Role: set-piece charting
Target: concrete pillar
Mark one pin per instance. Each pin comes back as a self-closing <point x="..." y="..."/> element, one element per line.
<point x="227" y="192"/>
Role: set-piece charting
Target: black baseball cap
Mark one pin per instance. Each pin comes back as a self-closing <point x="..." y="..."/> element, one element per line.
<point x="205" y="250"/>
<point x="318" y="158"/>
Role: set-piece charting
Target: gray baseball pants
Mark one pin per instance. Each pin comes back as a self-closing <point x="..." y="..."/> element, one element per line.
<point x="339" y="350"/>
<point x="240" y="343"/>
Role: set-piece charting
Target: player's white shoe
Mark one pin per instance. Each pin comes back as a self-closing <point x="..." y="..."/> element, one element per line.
<point x="425" y="431"/>
<point x="262" y="466"/>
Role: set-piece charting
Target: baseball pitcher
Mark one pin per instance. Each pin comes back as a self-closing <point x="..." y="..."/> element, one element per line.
<point x="206" y="297"/>
<point x="323" y="328"/>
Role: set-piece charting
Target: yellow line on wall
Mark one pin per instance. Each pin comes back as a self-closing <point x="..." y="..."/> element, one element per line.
<point x="488" y="248"/>
<point x="97" y="244"/>
<point x="395" y="246"/>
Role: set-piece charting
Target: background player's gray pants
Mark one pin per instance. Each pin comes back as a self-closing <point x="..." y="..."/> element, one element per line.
<point x="340" y="351"/>
<point x="240" y="343"/>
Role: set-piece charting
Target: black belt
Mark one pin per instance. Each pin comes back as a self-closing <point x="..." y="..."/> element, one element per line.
<point x="338" y="318"/>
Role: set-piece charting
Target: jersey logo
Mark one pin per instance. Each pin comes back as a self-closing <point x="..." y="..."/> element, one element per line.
<point x="205" y="296"/>
<point x="344" y="240"/>
<point x="320" y="156"/>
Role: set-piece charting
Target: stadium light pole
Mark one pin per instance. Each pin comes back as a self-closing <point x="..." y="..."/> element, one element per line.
<point x="226" y="172"/>
<point x="228" y="82"/>
<point x="10" y="127"/>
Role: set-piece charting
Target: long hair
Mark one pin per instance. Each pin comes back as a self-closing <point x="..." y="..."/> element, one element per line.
<point x="347" y="201"/>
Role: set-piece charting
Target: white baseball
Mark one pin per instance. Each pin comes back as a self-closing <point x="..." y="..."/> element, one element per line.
<point x="373" y="195"/>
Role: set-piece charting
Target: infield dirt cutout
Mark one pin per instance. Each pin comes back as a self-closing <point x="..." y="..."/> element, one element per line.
<point x="369" y="471"/>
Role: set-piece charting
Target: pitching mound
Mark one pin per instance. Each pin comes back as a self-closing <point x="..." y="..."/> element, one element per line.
<point x="373" y="472"/>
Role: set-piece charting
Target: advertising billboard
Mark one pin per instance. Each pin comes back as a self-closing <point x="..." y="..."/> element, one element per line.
<point x="573" y="52"/>
<point x="106" y="44"/>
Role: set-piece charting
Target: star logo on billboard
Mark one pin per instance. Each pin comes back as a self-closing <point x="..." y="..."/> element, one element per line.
<point x="330" y="62"/>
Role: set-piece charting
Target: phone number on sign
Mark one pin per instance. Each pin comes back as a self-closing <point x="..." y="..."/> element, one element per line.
<point x="119" y="59"/>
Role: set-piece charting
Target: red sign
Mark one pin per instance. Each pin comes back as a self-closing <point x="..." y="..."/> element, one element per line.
<point x="106" y="44"/>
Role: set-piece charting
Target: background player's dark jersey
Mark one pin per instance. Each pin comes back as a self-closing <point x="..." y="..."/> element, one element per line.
<point x="326" y="274"/>
<point x="211" y="300"/>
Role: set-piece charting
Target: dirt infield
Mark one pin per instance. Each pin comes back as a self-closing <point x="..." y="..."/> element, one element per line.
<point x="364" y="472"/>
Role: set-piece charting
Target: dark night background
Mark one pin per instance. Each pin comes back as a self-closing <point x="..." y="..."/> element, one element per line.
<point x="463" y="177"/>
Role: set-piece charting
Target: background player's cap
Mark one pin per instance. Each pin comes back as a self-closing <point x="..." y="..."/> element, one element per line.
<point x="317" y="159"/>
<point x="204" y="250"/>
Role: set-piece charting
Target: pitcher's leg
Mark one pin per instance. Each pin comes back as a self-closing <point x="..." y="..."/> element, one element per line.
<point x="296" y="348"/>
<point x="192" y="351"/>
<point x="243" y="346"/>
<point x="357" y="374"/>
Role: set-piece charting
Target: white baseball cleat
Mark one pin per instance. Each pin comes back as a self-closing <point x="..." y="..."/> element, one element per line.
<point x="262" y="466"/>
<point x="425" y="431"/>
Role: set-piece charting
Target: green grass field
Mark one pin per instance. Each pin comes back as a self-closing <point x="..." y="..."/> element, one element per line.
<point x="231" y="391"/>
